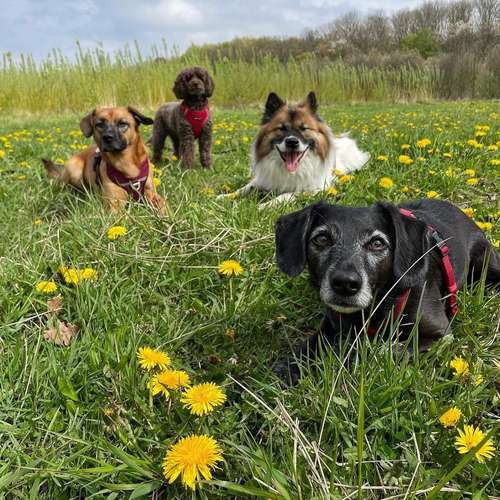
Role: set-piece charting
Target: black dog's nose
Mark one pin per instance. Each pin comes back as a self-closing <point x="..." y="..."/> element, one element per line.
<point x="292" y="142"/>
<point x="346" y="283"/>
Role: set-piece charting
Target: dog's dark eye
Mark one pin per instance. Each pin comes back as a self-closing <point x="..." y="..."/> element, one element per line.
<point x="303" y="128"/>
<point x="377" y="244"/>
<point x="283" y="127"/>
<point x="99" y="125"/>
<point x="322" y="240"/>
<point x="123" y="126"/>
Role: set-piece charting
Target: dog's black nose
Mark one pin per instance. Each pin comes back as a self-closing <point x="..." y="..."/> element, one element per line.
<point x="346" y="283"/>
<point x="292" y="142"/>
<point x="107" y="138"/>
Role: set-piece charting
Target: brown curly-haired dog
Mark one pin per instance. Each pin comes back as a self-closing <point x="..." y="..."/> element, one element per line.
<point x="186" y="121"/>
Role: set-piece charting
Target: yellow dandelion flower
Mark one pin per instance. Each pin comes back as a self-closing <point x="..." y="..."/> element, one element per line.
<point x="423" y="143"/>
<point x="432" y="194"/>
<point x="47" y="287"/>
<point x="156" y="181"/>
<point x="88" y="274"/>
<point x="116" y="232"/>
<point x="192" y="457"/>
<point x="478" y="379"/>
<point x="405" y="189"/>
<point x="459" y="366"/>
<point x="386" y="182"/>
<point x="203" y="398"/>
<point x="472" y="181"/>
<point x="37" y="222"/>
<point x="230" y="333"/>
<point x="70" y="275"/>
<point x="470" y="172"/>
<point x="405" y="146"/>
<point x="168" y="379"/>
<point x="495" y="162"/>
<point x="331" y="191"/>
<point x="469" y="438"/>
<point x="468" y="211"/>
<point x="2" y="153"/>
<point x="382" y="158"/>
<point x="485" y="226"/>
<point x="344" y="179"/>
<point x="338" y="172"/>
<point x="152" y="358"/>
<point x="230" y="268"/>
<point x="492" y="147"/>
<point x="405" y="160"/>
<point x="450" y="417"/>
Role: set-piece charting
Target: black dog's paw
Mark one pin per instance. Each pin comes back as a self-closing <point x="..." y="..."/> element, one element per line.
<point x="287" y="371"/>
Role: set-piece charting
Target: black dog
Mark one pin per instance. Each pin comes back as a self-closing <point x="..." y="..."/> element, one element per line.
<point x="381" y="258"/>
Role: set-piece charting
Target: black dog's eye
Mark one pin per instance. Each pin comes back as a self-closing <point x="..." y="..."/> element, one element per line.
<point x="322" y="240"/>
<point x="377" y="244"/>
<point x="123" y="126"/>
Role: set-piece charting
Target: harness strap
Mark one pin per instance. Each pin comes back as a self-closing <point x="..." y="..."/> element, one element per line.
<point x="134" y="186"/>
<point x="451" y="284"/>
<point x="196" y="118"/>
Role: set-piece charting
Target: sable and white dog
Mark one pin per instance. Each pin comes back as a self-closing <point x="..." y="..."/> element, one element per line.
<point x="296" y="151"/>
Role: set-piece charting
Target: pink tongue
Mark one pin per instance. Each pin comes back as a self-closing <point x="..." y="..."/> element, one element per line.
<point x="292" y="160"/>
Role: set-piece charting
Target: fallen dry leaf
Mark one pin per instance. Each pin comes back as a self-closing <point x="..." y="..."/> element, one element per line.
<point x="55" y="304"/>
<point x="62" y="334"/>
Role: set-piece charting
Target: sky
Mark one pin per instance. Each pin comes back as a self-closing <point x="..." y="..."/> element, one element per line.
<point x="36" y="26"/>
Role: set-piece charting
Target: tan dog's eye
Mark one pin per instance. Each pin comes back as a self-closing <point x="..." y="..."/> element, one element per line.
<point x="303" y="128"/>
<point x="99" y="125"/>
<point x="123" y="126"/>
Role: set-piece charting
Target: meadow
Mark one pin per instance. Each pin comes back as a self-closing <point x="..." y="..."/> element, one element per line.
<point x="80" y="421"/>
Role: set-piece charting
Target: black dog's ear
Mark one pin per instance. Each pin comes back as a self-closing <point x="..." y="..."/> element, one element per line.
<point x="87" y="124"/>
<point x="139" y="117"/>
<point x="273" y="103"/>
<point x="292" y="231"/>
<point x="410" y="239"/>
<point x="311" y="102"/>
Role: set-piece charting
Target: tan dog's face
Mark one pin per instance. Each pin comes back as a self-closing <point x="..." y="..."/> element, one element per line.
<point x="114" y="129"/>
<point x="292" y="130"/>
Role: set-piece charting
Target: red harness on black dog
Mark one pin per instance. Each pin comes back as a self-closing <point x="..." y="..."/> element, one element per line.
<point x="133" y="186"/>
<point x="451" y="284"/>
<point x="196" y="118"/>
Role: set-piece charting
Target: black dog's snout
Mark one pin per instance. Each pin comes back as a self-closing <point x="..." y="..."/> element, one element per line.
<point x="292" y="142"/>
<point x="346" y="283"/>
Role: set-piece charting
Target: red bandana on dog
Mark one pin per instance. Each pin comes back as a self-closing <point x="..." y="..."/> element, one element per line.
<point x="196" y="118"/>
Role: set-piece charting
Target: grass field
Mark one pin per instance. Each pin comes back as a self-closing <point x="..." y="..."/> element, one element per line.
<point x="79" y="421"/>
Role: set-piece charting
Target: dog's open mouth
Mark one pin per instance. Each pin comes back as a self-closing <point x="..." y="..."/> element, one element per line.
<point x="292" y="158"/>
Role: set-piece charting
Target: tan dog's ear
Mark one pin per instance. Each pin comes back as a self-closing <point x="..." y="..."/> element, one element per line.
<point x="87" y="124"/>
<point x="139" y="117"/>
<point x="311" y="102"/>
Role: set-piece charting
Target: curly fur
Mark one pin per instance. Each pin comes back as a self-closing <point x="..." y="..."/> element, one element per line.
<point x="193" y="86"/>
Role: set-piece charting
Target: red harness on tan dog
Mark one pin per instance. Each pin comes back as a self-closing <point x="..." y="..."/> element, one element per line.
<point x="196" y="118"/>
<point x="134" y="186"/>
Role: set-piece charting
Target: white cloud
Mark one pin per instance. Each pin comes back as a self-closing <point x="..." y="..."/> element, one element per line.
<point x="172" y="13"/>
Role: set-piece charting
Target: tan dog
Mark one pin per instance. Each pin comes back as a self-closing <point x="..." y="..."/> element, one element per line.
<point x="117" y="163"/>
